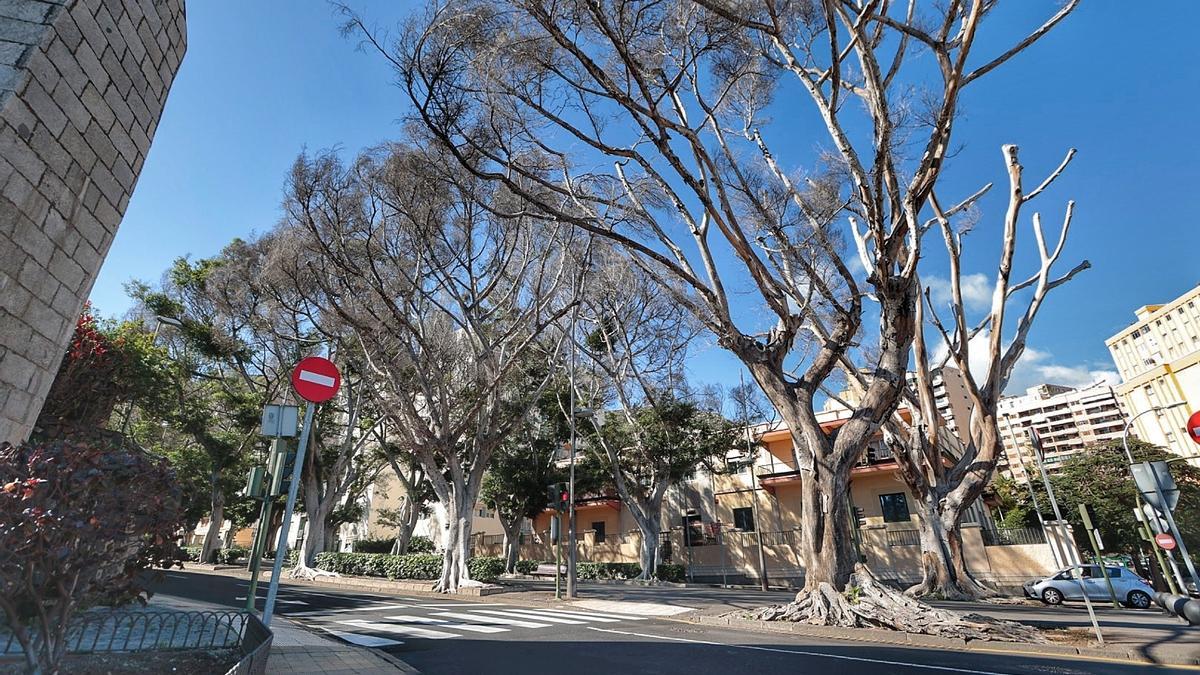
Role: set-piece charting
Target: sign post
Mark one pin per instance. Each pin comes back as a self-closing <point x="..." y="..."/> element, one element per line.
<point x="316" y="380"/>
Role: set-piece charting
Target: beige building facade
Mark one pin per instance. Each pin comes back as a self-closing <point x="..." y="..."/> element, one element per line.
<point x="727" y="513"/>
<point x="1158" y="357"/>
<point x="1066" y="419"/>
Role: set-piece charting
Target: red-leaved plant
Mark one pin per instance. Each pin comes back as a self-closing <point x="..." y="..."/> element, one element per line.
<point x="79" y="524"/>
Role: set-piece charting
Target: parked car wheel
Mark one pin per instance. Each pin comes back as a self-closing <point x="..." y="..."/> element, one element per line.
<point x="1138" y="599"/>
<point x="1052" y="596"/>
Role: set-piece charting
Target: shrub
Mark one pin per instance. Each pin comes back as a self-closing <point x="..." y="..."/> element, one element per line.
<point x="375" y="545"/>
<point x="485" y="568"/>
<point x="668" y="572"/>
<point x="420" y="566"/>
<point x="79" y="524"/>
<point x="590" y="570"/>
<point x="192" y="553"/>
<point x="527" y="566"/>
<point x="230" y="556"/>
<point x="419" y="544"/>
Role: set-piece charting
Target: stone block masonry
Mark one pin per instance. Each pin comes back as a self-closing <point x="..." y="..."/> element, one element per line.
<point x="82" y="86"/>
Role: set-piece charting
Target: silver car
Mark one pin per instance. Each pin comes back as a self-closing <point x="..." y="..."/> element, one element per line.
<point x="1071" y="583"/>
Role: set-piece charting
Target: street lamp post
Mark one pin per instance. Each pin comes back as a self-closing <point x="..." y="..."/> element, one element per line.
<point x="1158" y="490"/>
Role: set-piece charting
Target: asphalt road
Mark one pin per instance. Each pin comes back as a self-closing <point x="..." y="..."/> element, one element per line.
<point x="450" y="635"/>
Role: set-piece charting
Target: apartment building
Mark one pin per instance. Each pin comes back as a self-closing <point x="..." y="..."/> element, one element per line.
<point x="1067" y="419"/>
<point x="1158" y="357"/>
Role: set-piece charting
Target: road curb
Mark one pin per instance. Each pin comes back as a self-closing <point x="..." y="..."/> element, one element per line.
<point x="376" y="585"/>
<point x="933" y="641"/>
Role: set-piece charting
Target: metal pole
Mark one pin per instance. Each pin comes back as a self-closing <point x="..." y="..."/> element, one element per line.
<point x="1087" y="525"/>
<point x="571" y="553"/>
<point x="1054" y="552"/>
<point x="1158" y="489"/>
<point x="277" y="568"/>
<point x="1162" y="564"/>
<point x="1036" y="441"/>
<point x="260" y="543"/>
<point x="558" y="559"/>
<point x="762" y="558"/>
<point x="1183" y="552"/>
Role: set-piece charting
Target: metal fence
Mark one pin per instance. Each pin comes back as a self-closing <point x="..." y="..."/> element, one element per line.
<point x="129" y="631"/>
<point x="1013" y="536"/>
<point x="903" y="538"/>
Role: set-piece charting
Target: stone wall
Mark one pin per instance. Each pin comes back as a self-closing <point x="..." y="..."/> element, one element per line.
<point x="82" y="85"/>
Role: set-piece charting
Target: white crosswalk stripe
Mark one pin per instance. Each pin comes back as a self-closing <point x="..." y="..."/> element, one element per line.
<point x="364" y="608"/>
<point x="399" y="629"/>
<point x="593" y="616"/>
<point x="477" y="618"/>
<point x="442" y="623"/>
<point x="362" y="640"/>
<point x="539" y="616"/>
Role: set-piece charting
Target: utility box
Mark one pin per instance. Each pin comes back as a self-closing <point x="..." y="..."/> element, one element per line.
<point x="280" y="421"/>
<point x="254" y="482"/>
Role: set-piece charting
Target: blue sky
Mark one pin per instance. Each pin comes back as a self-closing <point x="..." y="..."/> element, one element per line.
<point x="263" y="80"/>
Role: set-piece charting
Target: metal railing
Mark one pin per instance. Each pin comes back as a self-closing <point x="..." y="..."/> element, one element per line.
<point x="903" y="538"/>
<point x="130" y="631"/>
<point x="1012" y="536"/>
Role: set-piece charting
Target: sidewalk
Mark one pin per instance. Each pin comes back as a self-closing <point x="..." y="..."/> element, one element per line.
<point x="297" y="651"/>
<point x="1130" y="635"/>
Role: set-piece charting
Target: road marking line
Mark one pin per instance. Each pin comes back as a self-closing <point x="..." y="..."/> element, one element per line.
<point x="461" y="605"/>
<point x="800" y="652"/>
<point x="596" y="616"/>
<point x="402" y="630"/>
<point x="442" y="623"/>
<point x="368" y="608"/>
<point x="362" y="640"/>
<point x="493" y="619"/>
<point x="317" y="378"/>
<point x="288" y="602"/>
<point x="531" y="615"/>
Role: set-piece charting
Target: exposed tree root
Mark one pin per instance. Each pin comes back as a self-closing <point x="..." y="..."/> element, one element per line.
<point x="869" y="604"/>
<point x="965" y="589"/>
<point x="302" y="571"/>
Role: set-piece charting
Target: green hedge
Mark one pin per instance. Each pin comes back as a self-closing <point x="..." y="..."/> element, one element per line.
<point x="230" y="556"/>
<point x="674" y="573"/>
<point x="419" y="544"/>
<point x="418" y="566"/>
<point x="192" y="553"/>
<point x="527" y="566"/>
<point x="374" y="545"/>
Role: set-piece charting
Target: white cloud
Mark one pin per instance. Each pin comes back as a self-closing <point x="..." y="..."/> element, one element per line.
<point x="976" y="291"/>
<point x="1035" y="367"/>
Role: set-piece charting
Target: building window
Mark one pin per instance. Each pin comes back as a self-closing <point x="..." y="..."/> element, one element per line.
<point x="743" y="519"/>
<point x="599" y="529"/>
<point x="895" y="507"/>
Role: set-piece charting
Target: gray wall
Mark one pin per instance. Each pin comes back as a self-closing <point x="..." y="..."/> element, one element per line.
<point x="82" y="85"/>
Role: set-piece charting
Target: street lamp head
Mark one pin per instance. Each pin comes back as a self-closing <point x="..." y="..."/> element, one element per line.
<point x="585" y="412"/>
<point x="1168" y="406"/>
<point x="168" y="320"/>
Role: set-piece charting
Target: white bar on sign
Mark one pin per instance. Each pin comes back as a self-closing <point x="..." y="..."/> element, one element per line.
<point x="317" y="378"/>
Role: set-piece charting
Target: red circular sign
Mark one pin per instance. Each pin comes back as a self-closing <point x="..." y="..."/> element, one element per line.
<point x="316" y="379"/>
<point x="1193" y="426"/>
<point x="1165" y="541"/>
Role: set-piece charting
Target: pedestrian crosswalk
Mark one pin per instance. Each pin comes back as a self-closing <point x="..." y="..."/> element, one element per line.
<point x="381" y="625"/>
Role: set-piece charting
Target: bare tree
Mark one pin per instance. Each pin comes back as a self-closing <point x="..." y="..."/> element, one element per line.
<point x="635" y="346"/>
<point x="647" y="123"/>
<point x="946" y="492"/>
<point x="448" y="302"/>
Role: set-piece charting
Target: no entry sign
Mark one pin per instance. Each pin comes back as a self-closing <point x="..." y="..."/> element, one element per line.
<point x="316" y="379"/>
<point x="1193" y="426"/>
<point x="1165" y="541"/>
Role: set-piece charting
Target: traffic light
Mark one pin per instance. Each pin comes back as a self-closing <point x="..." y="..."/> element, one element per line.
<point x="564" y="498"/>
<point x="552" y="496"/>
<point x="860" y="516"/>
<point x="558" y="497"/>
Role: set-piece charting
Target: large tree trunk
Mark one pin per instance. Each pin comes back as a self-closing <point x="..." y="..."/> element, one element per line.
<point x="945" y="574"/>
<point x="457" y="545"/>
<point x="827" y="545"/>
<point x="651" y="529"/>
<point x="212" y="538"/>
<point x="512" y="543"/>
<point x="410" y="513"/>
